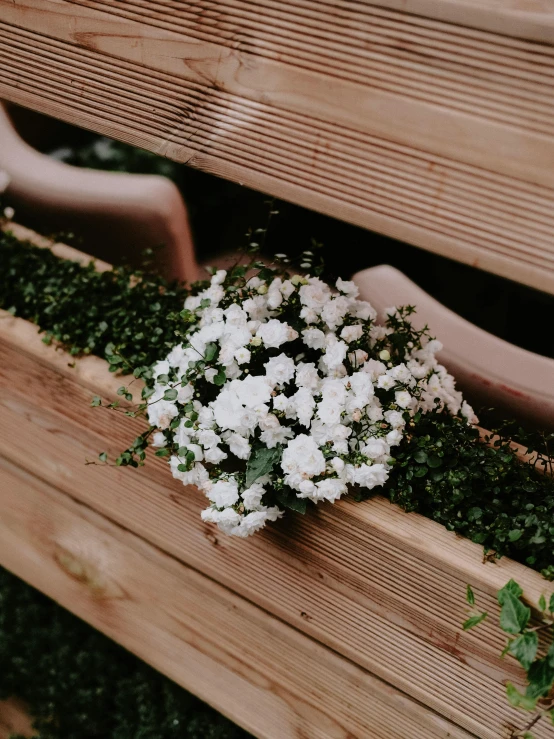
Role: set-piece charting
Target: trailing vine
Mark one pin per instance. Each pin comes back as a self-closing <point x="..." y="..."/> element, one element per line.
<point x="532" y="645"/>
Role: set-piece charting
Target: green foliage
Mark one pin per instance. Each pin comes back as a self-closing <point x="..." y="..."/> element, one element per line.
<point x="483" y="493"/>
<point x="261" y="462"/>
<point x="108" y="313"/>
<point x="443" y="470"/>
<point x="80" y="685"/>
<point x="535" y="655"/>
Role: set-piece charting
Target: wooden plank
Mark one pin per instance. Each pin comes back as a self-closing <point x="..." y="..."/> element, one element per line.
<point x="396" y="613"/>
<point x="263" y="674"/>
<point x="442" y="137"/>
<point x="14" y="719"/>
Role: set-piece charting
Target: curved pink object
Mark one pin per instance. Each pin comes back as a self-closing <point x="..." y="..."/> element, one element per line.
<point x="492" y="371"/>
<point x="118" y="214"/>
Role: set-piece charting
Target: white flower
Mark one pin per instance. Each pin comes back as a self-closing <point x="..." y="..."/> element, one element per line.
<point x="214" y="455"/>
<point x="370" y="476"/>
<point x="303" y="402"/>
<point x="374" y="369"/>
<point x="347" y="287"/>
<point x="330" y="489"/>
<point x="185" y="393"/>
<point x="208" y="438"/>
<point x="227" y="409"/>
<point x="274" y="333"/>
<point x="219" y="277"/>
<point x="309" y="315"/>
<point x="395" y="419"/>
<point x="401" y="373"/>
<point x="315" y="294"/>
<point x="256" y="308"/>
<point x="335" y="351"/>
<point x="242" y="355"/>
<point x="239" y="446"/>
<point x="279" y="370"/>
<point x="210" y="373"/>
<point x="252" y="497"/>
<point x="307" y="376"/>
<point x="376" y="448"/>
<point x="337" y="464"/>
<point x="313" y="338"/>
<point x="302" y="455"/>
<point x="334" y="311"/>
<point x="352" y="333"/>
<point x="224" y="493"/>
<point x="357" y="358"/>
<point x="386" y="382"/>
<point x="252" y="391"/>
<point x="158" y="439"/>
<point x="404" y="399"/>
<point x="394" y="437"/>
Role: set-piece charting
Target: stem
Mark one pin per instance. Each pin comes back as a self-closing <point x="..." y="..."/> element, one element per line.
<point x="528" y="725"/>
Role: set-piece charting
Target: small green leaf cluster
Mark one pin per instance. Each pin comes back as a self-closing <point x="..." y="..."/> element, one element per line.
<point x="129" y="318"/>
<point x="445" y="472"/>
<point x="80" y="685"/>
<point x="535" y="655"/>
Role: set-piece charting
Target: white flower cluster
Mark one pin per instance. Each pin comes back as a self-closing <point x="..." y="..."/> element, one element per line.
<point x="285" y="391"/>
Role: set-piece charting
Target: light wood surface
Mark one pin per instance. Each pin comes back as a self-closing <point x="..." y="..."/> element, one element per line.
<point x="379" y="587"/>
<point x="14" y="719"/>
<point x="430" y="122"/>
<point x="259" y="671"/>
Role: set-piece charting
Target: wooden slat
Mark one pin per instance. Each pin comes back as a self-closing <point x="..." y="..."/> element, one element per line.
<point x="263" y="674"/>
<point x="433" y="133"/>
<point x="396" y="612"/>
<point x="14" y="719"/>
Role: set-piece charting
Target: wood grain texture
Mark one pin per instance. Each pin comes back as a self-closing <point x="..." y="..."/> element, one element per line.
<point x="433" y="133"/>
<point x="259" y="671"/>
<point x="396" y="612"/>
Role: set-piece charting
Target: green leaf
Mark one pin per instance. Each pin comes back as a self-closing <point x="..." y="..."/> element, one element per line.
<point x="211" y="351"/>
<point x="518" y="700"/>
<point x="510" y="587"/>
<point x="470" y="596"/>
<point x="551" y="604"/>
<point x="474" y="621"/>
<point x="261" y="463"/>
<point x="103" y="456"/>
<point x="420" y="456"/>
<point x="542" y="603"/>
<point x="220" y="378"/>
<point x="96" y="401"/>
<point x="515" y="534"/>
<point x="289" y="500"/>
<point x="524" y="648"/>
<point x="163" y="452"/>
<point x="541" y="677"/>
<point x="514" y="615"/>
<point x="434" y="461"/>
<point x="170" y="394"/>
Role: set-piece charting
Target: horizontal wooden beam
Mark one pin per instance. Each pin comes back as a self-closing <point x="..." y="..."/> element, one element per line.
<point x="437" y="134"/>
<point x="263" y="674"/>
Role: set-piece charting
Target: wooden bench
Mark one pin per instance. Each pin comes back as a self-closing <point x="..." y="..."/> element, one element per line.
<point x="427" y="120"/>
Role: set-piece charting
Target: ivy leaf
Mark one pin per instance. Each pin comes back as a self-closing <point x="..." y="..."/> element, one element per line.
<point x="541" y="677"/>
<point x="524" y="648"/>
<point x="474" y="621"/>
<point x="470" y="596"/>
<point x="289" y="500"/>
<point x="542" y="603"/>
<point x="510" y="587"/>
<point x="261" y="463"/>
<point x="514" y="615"/>
<point x="518" y="700"/>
